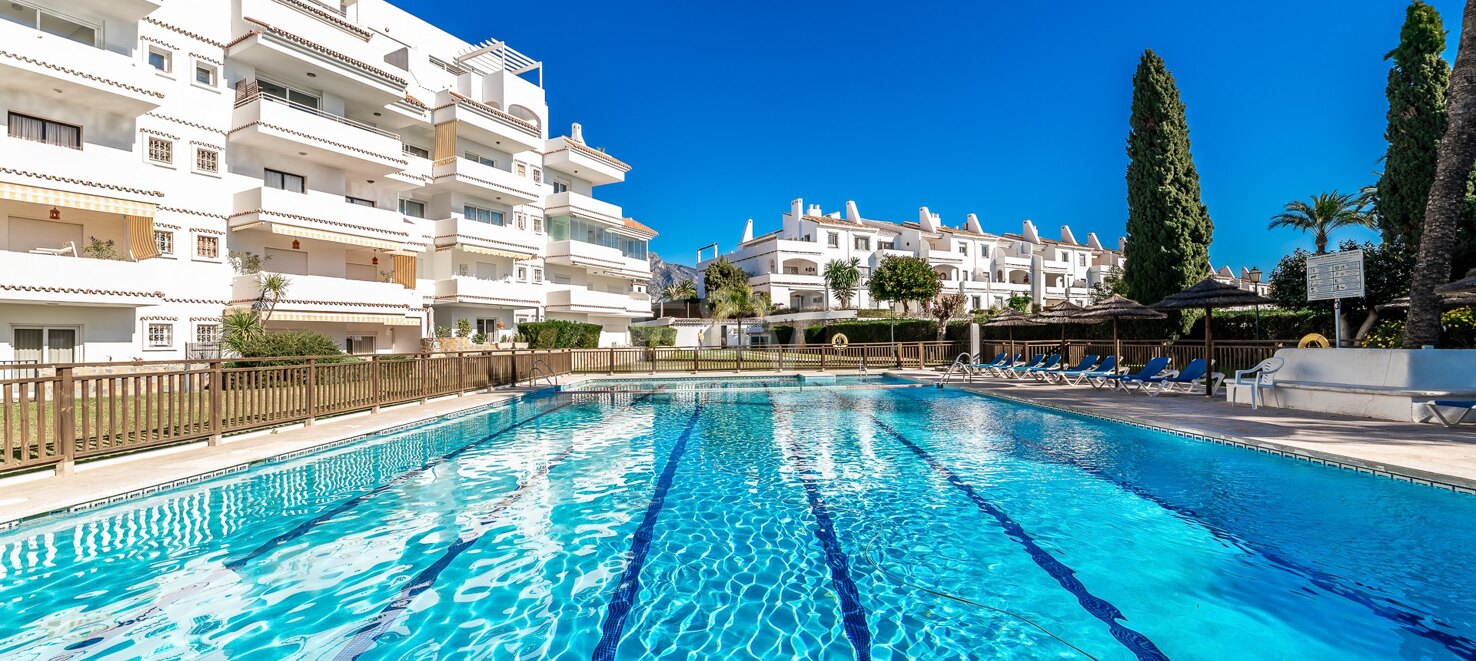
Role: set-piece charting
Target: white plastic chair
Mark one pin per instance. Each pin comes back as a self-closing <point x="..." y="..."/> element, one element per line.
<point x="1258" y="377"/>
<point x="69" y="249"/>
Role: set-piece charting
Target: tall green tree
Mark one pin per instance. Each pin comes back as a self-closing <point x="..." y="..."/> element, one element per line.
<point x="722" y="274"/>
<point x="1449" y="194"/>
<point x="842" y="276"/>
<point x="1321" y="215"/>
<point x="1418" y="81"/>
<point x="1168" y="227"/>
<point x="904" y="280"/>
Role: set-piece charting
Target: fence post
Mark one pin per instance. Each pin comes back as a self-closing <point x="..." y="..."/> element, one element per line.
<point x="424" y="377"/>
<point x="217" y="402"/>
<point x="740" y="355"/>
<point x="66" y="423"/>
<point x="610" y="356"/>
<point x="921" y="358"/>
<point x="513" y="367"/>
<point x="378" y="390"/>
<point x="781" y="359"/>
<point x="312" y="392"/>
<point x="461" y="373"/>
<point x="651" y="355"/>
<point x="897" y="353"/>
<point x="697" y="359"/>
<point x="823" y="353"/>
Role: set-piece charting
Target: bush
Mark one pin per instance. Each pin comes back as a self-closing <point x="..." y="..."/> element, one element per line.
<point x="479" y="338"/>
<point x="560" y="334"/>
<point x="1457" y="331"/>
<point x="463" y="328"/>
<point x="291" y="343"/>
<point x="653" y="336"/>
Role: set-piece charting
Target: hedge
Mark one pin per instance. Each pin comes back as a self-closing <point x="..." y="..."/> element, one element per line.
<point x="874" y="330"/>
<point x="560" y="334"/>
<point x="290" y="343"/>
<point x="653" y="336"/>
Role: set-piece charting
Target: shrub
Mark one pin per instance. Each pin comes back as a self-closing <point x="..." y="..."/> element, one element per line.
<point x="291" y="343"/>
<point x="653" y="336"/>
<point x="479" y="338"/>
<point x="442" y="332"/>
<point x="463" y="328"/>
<point x="560" y="334"/>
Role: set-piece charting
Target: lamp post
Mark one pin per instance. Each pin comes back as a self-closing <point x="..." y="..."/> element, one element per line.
<point x="1254" y="275"/>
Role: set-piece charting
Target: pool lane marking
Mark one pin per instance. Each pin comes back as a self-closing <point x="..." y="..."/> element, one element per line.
<point x="163" y="602"/>
<point x="1100" y="608"/>
<point x="1459" y="645"/>
<point x="365" y="637"/>
<point x="853" y="614"/>
<point x="630" y="579"/>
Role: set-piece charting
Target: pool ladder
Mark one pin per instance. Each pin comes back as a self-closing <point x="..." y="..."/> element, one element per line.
<point x="960" y="366"/>
<point x="548" y="376"/>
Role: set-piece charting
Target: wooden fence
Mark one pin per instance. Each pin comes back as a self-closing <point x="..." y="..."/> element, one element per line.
<point x="1229" y="355"/>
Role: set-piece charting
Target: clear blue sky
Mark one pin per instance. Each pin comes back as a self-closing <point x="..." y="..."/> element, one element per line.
<point x="1009" y="110"/>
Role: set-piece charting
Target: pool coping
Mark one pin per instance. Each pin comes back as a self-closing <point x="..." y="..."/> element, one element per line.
<point x="328" y="444"/>
<point x="1331" y="459"/>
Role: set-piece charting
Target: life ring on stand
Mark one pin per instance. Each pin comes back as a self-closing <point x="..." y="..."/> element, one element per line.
<point x="840" y="341"/>
<point x="1313" y="340"/>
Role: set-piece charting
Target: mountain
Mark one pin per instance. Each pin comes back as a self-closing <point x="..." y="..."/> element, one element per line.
<point x="663" y="274"/>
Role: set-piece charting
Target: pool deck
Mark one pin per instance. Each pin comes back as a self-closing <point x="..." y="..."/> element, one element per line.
<point x="1424" y="453"/>
<point x="95" y="483"/>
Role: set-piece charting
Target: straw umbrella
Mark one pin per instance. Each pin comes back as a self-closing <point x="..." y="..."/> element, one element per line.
<point x="1117" y="308"/>
<point x="1011" y="319"/>
<point x="1452" y="299"/>
<point x="1064" y="313"/>
<point x="1466" y="284"/>
<point x="1209" y="294"/>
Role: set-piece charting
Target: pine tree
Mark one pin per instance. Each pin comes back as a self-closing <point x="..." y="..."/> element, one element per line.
<point x="1168" y="227"/>
<point x="1418" y="81"/>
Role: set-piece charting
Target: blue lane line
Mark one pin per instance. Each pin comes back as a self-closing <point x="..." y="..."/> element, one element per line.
<point x="1461" y="646"/>
<point x="1100" y="608"/>
<point x="853" y="615"/>
<point x="307" y="526"/>
<point x="630" y="579"/>
<point x="365" y="638"/>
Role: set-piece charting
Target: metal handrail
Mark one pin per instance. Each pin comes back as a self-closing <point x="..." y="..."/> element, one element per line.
<point x="548" y="374"/>
<point x="960" y="365"/>
<point x="314" y="111"/>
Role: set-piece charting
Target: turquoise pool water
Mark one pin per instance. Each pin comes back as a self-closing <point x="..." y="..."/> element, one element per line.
<point x="816" y="523"/>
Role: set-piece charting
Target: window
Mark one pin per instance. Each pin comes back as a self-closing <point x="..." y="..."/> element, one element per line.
<point x="522" y="273"/>
<point x="207" y="160"/>
<point x="358" y="200"/>
<point x="359" y="344"/>
<point x="522" y="220"/>
<point x="160" y="336"/>
<point x="207" y="246"/>
<point x="537" y="175"/>
<point x="522" y="170"/>
<point x="832" y="239"/>
<point x="560" y="186"/>
<point x="207" y="333"/>
<point x="481" y="215"/>
<point x="204" y="74"/>
<point x="412" y="208"/>
<point x="963" y="248"/>
<point x="1083" y="259"/>
<point x="537" y="275"/>
<point x="538" y="224"/>
<point x="164" y="242"/>
<point x="50" y="23"/>
<point x="489" y="162"/>
<point x="36" y="129"/>
<point x="412" y="150"/>
<point x="47" y="345"/>
<point x="160" y="59"/>
<point x="284" y="181"/>
<point x="161" y="150"/>
<point x="290" y="94"/>
<point x="487" y="325"/>
<point x="863" y="243"/>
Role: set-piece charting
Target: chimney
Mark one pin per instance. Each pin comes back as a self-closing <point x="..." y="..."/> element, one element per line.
<point x="1093" y="242"/>
<point x="1028" y="229"/>
<point x="1122" y="244"/>
<point x="1067" y="237"/>
<point x="851" y="213"/>
<point x="797" y="208"/>
<point x="814" y="210"/>
<point x="972" y="224"/>
<point x="747" y="231"/>
<point x="927" y="220"/>
<point x="576" y="133"/>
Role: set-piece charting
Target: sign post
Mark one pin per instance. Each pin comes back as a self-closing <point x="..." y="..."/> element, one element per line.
<point x="1335" y="276"/>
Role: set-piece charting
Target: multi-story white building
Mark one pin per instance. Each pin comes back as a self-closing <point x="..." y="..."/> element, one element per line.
<point x="988" y="268"/>
<point x="401" y="178"/>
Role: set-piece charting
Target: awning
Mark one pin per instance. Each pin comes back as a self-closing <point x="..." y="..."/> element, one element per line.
<point x="497" y="252"/>
<point x="325" y="235"/>
<point x="141" y="237"/>
<point x="343" y="318"/>
<point x="57" y="198"/>
<point x="404" y="270"/>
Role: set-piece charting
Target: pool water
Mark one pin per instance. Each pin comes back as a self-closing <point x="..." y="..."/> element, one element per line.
<point x="741" y="382"/>
<point x="816" y="523"/>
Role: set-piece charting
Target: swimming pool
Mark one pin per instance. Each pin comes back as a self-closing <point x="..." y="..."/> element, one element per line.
<point x="789" y="522"/>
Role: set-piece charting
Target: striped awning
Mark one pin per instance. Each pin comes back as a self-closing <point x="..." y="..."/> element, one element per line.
<point x="325" y="235"/>
<point x="345" y="318"/>
<point x="141" y="237"/>
<point x="404" y="270"/>
<point x="498" y="252"/>
<point x="57" y="198"/>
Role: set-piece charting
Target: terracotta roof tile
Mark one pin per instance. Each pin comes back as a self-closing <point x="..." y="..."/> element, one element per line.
<point x="632" y="223"/>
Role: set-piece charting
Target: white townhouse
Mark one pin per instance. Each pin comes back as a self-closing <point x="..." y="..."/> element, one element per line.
<point x="989" y="269"/>
<point x="158" y="153"/>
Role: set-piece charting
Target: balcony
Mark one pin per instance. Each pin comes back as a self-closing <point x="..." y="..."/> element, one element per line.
<point x="128" y="11"/>
<point x="484" y="238"/>
<point x="337" y="300"/>
<point x="497" y="293"/>
<point x="788" y="247"/>
<point x="599" y="303"/>
<point x="569" y="203"/>
<point x="473" y="178"/>
<point x="579" y="160"/>
<point x="267" y="122"/>
<point x="799" y="280"/>
<point x="486" y="124"/>
<point x="939" y="256"/>
<point x="321" y="216"/>
<point x="74" y="73"/>
<point x="92" y="170"/>
<point x="345" y="74"/>
<point x="28" y="278"/>
<point x="597" y="259"/>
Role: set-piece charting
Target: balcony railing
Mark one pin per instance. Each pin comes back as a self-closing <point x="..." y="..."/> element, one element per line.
<point x="248" y="91"/>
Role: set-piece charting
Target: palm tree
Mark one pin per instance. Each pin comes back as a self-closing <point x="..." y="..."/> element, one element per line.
<point x="238" y="329"/>
<point x="685" y="290"/>
<point x="273" y="288"/>
<point x="841" y="278"/>
<point x="739" y="301"/>
<point x="1447" y="200"/>
<point x="1327" y="212"/>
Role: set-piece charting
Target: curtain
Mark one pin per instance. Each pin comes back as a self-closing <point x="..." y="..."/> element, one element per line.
<point x="27" y="128"/>
<point x="405" y="270"/>
<point x="445" y="141"/>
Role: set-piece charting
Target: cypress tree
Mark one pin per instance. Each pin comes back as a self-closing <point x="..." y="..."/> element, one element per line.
<point x="1418" y="80"/>
<point x="1168" y="227"/>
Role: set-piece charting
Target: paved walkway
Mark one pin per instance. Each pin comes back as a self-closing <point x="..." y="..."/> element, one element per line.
<point x="41" y="493"/>
<point x="1423" y="452"/>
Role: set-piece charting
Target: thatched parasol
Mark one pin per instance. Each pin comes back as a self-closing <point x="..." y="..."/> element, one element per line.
<point x="1011" y="319"/>
<point x="1466" y="284"/>
<point x="1064" y="313"/>
<point x="1117" y="308"/>
<point x="1447" y="300"/>
<point x="1209" y="294"/>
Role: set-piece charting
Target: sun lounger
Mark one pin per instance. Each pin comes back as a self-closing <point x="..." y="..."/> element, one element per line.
<point x="1087" y="362"/>
<point x="1044" y="370"/>
<point x="1152" y="368"/>
<point x="980" y="367"/>
<point x="997" y="369"/>
<point x="1073" y="377"/>
<point x="1466" y="406"/>
<point x="1038" y="361"/>
<point x="1183" y="381"/>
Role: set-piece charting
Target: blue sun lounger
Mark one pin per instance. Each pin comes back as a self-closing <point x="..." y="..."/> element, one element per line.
<point x="1086" y="363"/>
<point x="1183" y="381"/>
<point x="1153" y="367"/>
<point x="1466" y="406"/>
<point x="1073" y="377"/>
<point x="1035" y="360"/>
<point x="1021" y="371"/>
<point x="998" y="368"/>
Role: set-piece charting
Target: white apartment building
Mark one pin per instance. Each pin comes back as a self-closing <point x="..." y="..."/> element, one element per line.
<point x="988" y="268"/>
<point x="401" y="178"/>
